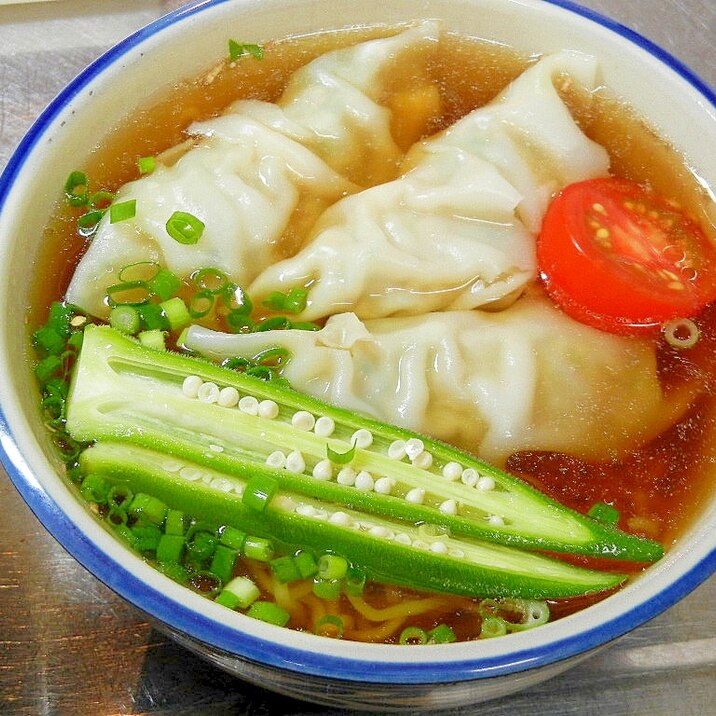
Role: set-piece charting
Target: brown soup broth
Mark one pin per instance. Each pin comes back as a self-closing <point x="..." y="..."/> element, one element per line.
<point x="658" y="489"/>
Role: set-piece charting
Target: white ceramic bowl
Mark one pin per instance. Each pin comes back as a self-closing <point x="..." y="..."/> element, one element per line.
<point x="376" y="677"/>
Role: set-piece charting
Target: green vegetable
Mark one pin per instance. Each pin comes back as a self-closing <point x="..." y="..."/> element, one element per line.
<point x="237" y="49"/>
<point x="184" y="228"/>
<point x="122" y="211"/>
<point x="131" y="401"/>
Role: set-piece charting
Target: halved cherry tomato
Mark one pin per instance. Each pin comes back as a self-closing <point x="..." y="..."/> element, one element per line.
<point x="619" y="257"/>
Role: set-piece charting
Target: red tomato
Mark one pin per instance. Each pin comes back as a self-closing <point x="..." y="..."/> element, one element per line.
<point x="623" y="259"/>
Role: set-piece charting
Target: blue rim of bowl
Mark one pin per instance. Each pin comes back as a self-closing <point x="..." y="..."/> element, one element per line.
<point x="272" y="653"/>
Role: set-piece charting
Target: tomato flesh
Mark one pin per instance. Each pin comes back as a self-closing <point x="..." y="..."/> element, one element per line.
<point x="619" y="257"/>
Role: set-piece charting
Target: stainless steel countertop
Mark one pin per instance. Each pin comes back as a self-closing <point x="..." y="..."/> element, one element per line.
<point x="68" y="645"/>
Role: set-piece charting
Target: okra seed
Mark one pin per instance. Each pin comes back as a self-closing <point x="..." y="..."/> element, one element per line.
<point x="416" y="496"/>
<point x="216" y="448"/>
<point x="452" y="471"/>
<point x="449" y="507"/>
<point x="276" y="459"/>
<point x="191" y="474"/>
<point x="420" y="544"/>
<point x="382" y="532"/>
<point x="305" y="510"/>
<point x="268" y="409"/>
<point x="364" y="481"/>
<point x="320" y="515"/>
<point x="424" y="460"/>
<point x="190" y="386"/>
<point x="438" y="547"/>
<point x="303" y="420"/>
<point x="384" y="485"/>
<point x="228" y="397"/>
<point x="249" y="405"/>
<point x="222" y="484"/>
<point x="414" y="447"/>
<point x="172" y="465"/>
<point x="324" y="426"/>
<point x="470" y="477"/>
<point x="208" y="392"/>
<point x="284" y="502"/>
<point x="402" y="538"/>
<point x="346" y="476"/>
<point x="295" y="462"/>
<point x="457" y="553"/>
<point x="323" y="470"/>
<point x="362" y="438"/>
<point x="485" y="483"/>
<point x="396" y="450"/>
<point x="341" y="519"/>
<point x="496" y="520"/>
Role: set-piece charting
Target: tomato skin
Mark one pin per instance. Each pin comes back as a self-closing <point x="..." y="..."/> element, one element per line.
<point x="621" y="258"/>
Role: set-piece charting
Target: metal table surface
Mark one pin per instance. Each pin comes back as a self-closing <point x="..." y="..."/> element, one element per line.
<point x="68" y="645"/>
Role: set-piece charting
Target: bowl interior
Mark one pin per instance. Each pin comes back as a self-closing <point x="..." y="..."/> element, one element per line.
<point x="678" y="107"/>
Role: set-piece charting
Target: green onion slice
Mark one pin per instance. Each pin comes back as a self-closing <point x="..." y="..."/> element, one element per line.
<point x="238" y="49"/>
<point x="139" y="271"/>
<point x="185" y="228"/>
<point x="340" y="458"/>
<point x="413" y="635"/>
<point x="127" y="292"/>
<point x="201" y="304"/>
<point x="146" y="165"/>
<point x="330" y="625"/>
<point x="122" y="211"/>
<point x="211" y="280"/>
<point x="77" y="188"/>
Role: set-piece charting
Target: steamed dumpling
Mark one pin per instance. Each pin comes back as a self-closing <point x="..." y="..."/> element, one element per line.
<point x="484" y="381"/>
<point x="259" y="175"/>
<point x="457" y="230"/>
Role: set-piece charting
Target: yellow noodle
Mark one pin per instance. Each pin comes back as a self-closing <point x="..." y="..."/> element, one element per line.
<point x="377" y="633"/>
<point x="402" y="610"/>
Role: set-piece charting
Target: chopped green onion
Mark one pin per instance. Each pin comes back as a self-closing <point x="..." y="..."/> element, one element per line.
<point x="232" y="537"/>
<point x="120" y="495"/>
<point x="239" y="593"/>
<point x="148" y="507"/>
<point x="237" y="364"/>
<point x="294" y="301"/>
<point x="153" y="338"/>
<point x="413" y="635"/>
<point x="441" y="634"/>
<point x="201" y="304"/>
<point x="95" y="488"/>
<point x="147" y="537"/>
<point x="77" y="188"/>
<point x="602" y="512"/>
<point x="60" y="317"/>
<point x="185" y="228"/>
<point x="259" y="491"/>
<point x="146" y="165"/>
<point x="174" y="571"/>
<point x="330" y="625"/>
<point x="262" y="372"/>
<point x="305" y="326"/>
<point x="223" y="561"/>
<point x="305" y="564"/>
<point x="165" y="284"/>
<point x="126" y="319"/>
<point x="101" y="200"/>
<point x="331" y="566"/>
<point x="50" y="340"/>
<point x="125" y="534"/>
<point x="533" y="613"/>
<point x="170" y="548"/>
<point x="236" y="299"/>
<point x="239" y="322"/>
<point x="258" y="548"/>
<point x="174" y="523"/>
<point x="49" y="367"/>
<point x="176" y="312"/>
<point x="122" y="211"/>
<point x="285" y="569"/>
<point x="117" y="516"/>
<point x="201" y="542"/>
<point x="211" y="280"/>
<point x="139" y="271"/>
<point x="274" y="324"/>
<point x="328" y="589"/>
<point x="87" y="223"/>
<point x="134" y="292"/>
<point x="340" y="458"/>
<point x="238" y="49"/>
<point x="269" y="612"/>
<point x="354" y="582"/>
<point x="152" y="317"/>
<point x="492" y="627"/>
